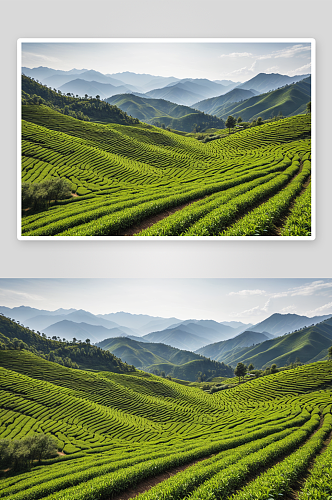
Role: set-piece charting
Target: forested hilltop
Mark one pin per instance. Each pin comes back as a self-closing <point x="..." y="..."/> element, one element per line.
<point x="86" y="108"/>
<point x="76" y="354"/>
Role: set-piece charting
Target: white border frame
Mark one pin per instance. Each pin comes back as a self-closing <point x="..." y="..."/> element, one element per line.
<point x="312" y="41"/>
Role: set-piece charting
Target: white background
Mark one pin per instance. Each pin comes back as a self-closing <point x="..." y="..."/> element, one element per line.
<point x="160" y="18"/>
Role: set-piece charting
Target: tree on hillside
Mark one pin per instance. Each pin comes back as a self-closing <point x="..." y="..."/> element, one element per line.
<point x="330" y="353"/>
<point x="239" y="120"/>
<point x="251" y="367"/>
<point x="309" y="107"/>
<point x="39" y="194"/>
<point x="230" y="123"/>
<point x="240" y="370"/>
<point x="259" y="121"/>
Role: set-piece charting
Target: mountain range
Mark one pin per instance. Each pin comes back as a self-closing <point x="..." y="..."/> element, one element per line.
<point x="288" y="100"/>
<point x="83" y="324"/>
<point x="160" y="358"/>
<point x="161" y="111"/>
<point x="182" y="348"/>
<point x="308" y="344"/>
<point x="187" y="91"/>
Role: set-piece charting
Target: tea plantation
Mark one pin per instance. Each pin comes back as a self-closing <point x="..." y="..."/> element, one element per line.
<point x="258" y="440"/>
<point x="250" y="183"/>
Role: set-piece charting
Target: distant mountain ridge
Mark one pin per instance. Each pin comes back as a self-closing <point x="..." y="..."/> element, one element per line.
<point x="279" y="324"/>
<point x="159" y="111"/>
<point x="229" y="342"/>
<point x="185" y="91"/>
<point x="265" y="82"/>
<point x="289" y="100"/>
<point x="161" y="358"/>
<point x="248" y="338"/>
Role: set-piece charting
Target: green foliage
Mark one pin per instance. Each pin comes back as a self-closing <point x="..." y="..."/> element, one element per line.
<point x="298" y="222"/>
<point x="39" y="195"/>
<point x="165" y="114"/>
<point x="119" y="429"/>
<point x="240" y="370"/>
<point x="82" y="109"/>
<point x="230" y="122"/>
<point x="13" y="336"/>
<point x="20" y="454"/>
<point x="164" y="360"/>
<point x="309" y="344"/>
<point x="124" y="174"/>
<point x="290" y="100"/>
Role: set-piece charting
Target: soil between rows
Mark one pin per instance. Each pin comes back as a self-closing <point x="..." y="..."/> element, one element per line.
<point x="149" y="483"/>
<point x="153" y="219"/>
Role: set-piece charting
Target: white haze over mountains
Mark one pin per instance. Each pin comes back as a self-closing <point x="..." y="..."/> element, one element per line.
<point x="217" y="59"/>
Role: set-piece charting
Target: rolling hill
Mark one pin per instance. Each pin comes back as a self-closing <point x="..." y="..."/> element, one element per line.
<point x="215" y="105"/>
<point x="81" y="331"/>
<point x="115" y="431"/>
<point x="308" y="344"/>
<point x="82" y="109"/>
<point x="219" y="349"/>
<point x="73" y="354"/>
<point x="114" y="168"/>
<point x="289" y="101"/>
<point x="159" y="111"/>
<point x="158" y="358"/>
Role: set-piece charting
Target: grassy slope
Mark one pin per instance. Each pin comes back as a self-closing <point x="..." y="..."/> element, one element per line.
<point x="173" y="115"/>
<point x="155" y="356"/>
<point x="218" y="349"/>
<point x="86" y="356"/>
<point x="164" y="157"/>
<point x="308" y="344"/>
<point x="105" y="419"/>
<point x="92" y="109"/>
<point x="117" y="160"/>
<point x="214" y="104"/>
<point x="289" y="100"/>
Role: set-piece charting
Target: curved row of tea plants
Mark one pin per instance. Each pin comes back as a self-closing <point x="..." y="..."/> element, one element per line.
<point x="109" y="164"/>
<point x="263" y="219"/>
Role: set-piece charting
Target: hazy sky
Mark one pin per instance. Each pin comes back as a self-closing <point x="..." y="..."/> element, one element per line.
<point x="247" y="300"/>
<point x="238" y="61"/>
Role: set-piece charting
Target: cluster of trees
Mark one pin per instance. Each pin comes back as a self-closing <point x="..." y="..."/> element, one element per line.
<point x="18" y="454"/>
<point x="87" y="108"/>
<point x="39" y="195"/>
<point x="231" y="122"/>
<point x="160" y="373"/>
<point x="75" y="354"/>
<point x="241" y="370"/>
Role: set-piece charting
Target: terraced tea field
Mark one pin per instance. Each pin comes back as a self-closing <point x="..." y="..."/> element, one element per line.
<point x="143" y="181"/>
<point x="120" y="432"/>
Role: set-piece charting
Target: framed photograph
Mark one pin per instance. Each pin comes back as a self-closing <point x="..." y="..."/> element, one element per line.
<point x="169" y="139"/>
